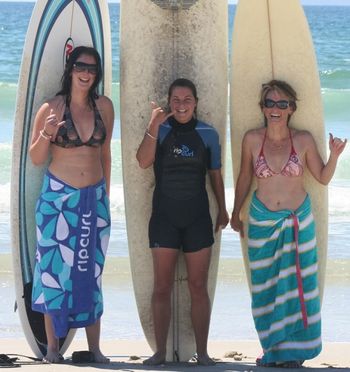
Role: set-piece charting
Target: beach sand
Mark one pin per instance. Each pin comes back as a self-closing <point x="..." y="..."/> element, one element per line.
<point x="128" y="356"/>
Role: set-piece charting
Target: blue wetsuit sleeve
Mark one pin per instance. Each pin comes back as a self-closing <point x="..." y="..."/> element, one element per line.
<point x="211" y="140"/>
<point x="164" y="129"/>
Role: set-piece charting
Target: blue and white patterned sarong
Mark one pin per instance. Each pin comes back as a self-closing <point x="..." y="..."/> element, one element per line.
<point x="73" y="228"/>
<point x="285" y="296"/>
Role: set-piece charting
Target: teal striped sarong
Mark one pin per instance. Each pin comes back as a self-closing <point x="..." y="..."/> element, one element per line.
<point x="285" y="296"/>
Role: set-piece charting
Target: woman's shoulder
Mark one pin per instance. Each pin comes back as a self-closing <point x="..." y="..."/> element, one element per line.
<point x="105" y="107"/>
<point x="301" y="135"/>
<point x="104" y="102"/>
<point x="55" y="103"/>
<point x="203" y="125"/>
<point x="303" y="140"/>
<point x="254" y="134"/>
<point x="208" y="132"/>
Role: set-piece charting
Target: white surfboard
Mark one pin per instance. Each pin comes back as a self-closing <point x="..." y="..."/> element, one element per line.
<point x="159" y="42"/>
<point x="271" y="39"/>
<point x="55" y="28"/>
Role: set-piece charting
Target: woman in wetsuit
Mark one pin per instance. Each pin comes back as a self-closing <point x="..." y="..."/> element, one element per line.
<point x="182" y="149"/>
<point x="72" y="213"/>
<point x="285" y="295"/>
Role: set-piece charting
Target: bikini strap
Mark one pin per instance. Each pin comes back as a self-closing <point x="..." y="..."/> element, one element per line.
<point x="261" y="153"/>
<point x="292" y="150"/>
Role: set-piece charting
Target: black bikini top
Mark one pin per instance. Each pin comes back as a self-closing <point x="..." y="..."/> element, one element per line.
<point x="67" y="135"/>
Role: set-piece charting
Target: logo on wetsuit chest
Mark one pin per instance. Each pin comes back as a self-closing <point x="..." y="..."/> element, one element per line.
<point x="183" y="151"/>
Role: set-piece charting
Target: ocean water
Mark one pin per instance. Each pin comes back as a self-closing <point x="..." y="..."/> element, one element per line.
<point x="231" y="318"/>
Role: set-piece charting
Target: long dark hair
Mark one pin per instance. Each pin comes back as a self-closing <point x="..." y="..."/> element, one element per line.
<point x="66" y="80"/>
<point x="182" y="82"/>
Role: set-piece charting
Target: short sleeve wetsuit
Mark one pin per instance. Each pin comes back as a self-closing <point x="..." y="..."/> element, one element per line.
<point x="180" y="216"/>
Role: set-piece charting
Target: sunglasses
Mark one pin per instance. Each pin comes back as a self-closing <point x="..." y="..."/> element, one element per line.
<point x="269" y="103"/>
<point x="81" y="67"/>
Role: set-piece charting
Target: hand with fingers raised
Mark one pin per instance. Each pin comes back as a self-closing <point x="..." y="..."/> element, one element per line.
<point x="52" y="124"/>
<point x="336" y="145"/>
<point x="158" y="116"/>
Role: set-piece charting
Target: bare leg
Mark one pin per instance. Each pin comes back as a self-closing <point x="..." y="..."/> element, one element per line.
<point x="197" y="268"/>
<point x="164" y="263"/>
<point x="93" y="339"/>
<point x="52" y="355"/>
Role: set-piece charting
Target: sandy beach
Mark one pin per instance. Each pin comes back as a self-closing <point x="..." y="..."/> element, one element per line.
<point x="128" y="356"/>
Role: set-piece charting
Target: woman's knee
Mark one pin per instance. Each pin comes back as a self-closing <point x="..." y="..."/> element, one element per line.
<point x="198" y="288"/>
<point x="162" y="291"/>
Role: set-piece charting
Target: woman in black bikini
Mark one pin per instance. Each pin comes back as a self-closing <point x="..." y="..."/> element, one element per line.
<point x="72" y="213"/>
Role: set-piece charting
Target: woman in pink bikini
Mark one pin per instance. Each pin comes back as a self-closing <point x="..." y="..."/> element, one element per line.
<point x="281" y="233"/>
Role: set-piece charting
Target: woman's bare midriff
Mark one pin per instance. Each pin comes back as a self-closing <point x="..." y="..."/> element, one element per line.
<point x="78" y="166"/>
<point x="280" y="192"/>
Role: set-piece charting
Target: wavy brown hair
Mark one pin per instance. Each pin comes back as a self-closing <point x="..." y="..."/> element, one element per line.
<point x="281" y="87"/>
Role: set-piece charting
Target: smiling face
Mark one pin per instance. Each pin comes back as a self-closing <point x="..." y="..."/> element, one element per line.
<point x="84" y="77"/>
<point x="183" y="103"/>
<point x="277" y="114"/>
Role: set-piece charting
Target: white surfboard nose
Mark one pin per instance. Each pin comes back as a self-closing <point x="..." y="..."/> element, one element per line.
<point x="174" y="4"/>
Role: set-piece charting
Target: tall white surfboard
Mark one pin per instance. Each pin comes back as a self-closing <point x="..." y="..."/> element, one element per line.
<point x="55" y="28"/>
<point x="159" y="42"/>
<point x="271" y="40"/>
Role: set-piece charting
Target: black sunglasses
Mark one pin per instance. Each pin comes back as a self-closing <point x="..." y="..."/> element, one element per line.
<point x="81" y="67"/>
<point x="269" y="103"/>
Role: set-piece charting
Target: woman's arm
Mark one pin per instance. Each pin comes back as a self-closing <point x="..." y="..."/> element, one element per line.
<point x="219" y="192"/>
<point x="243" y="184"/>
<point x="322" y="172"/>
<point x="147" y="149"/>
<point x="106" y="158"/>
<point x="46" y="125"/>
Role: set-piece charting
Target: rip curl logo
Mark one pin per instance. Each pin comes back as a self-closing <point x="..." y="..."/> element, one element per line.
<point x="84" y="242"/>
<point x="184" y="151"/>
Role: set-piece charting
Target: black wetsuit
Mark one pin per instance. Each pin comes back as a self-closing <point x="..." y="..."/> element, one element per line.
<point x="180" y="216"/>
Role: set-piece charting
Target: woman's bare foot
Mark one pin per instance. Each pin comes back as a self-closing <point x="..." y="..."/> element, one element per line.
<point x="53" y="357"/>
<point x="205" y="360"/>
<point x="99" y="357"/>
<point x="155" y="360"/>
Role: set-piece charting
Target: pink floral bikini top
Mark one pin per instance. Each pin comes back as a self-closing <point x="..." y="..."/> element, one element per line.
<point x="293" y="167"/>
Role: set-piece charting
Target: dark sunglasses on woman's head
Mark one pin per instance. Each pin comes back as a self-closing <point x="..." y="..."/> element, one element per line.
<point x="269" y="103"/>
<point x="81" y="67"/>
